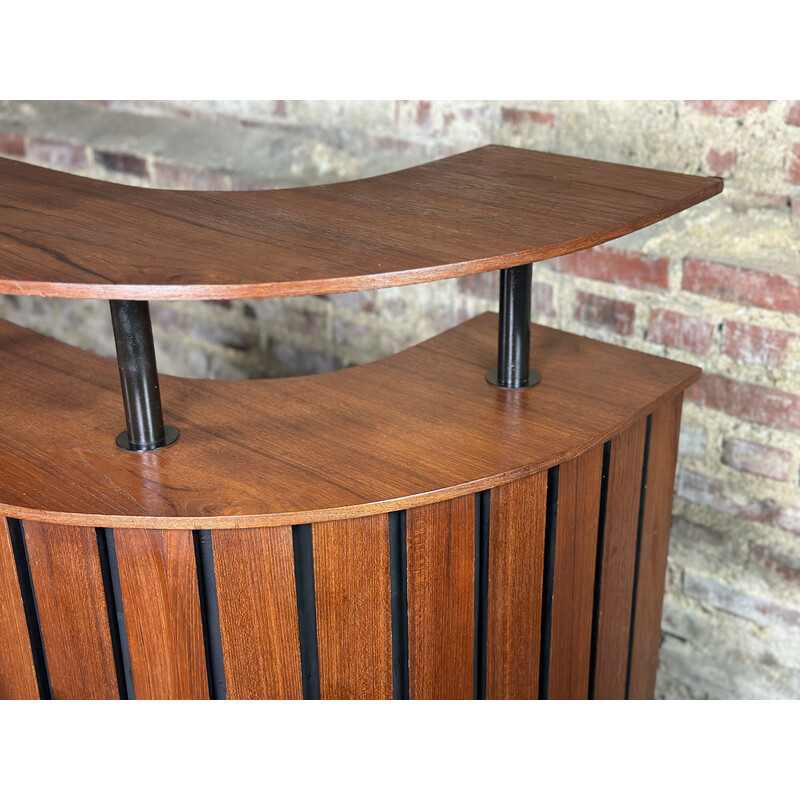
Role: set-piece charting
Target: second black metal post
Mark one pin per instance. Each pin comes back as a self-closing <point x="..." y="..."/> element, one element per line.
<point x="133" y="335"/>
<point x="514" y="334"/>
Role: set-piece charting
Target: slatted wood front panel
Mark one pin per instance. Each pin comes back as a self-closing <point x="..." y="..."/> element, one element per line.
<point x="353" y="599"/>
<point x="258" y="613"/>
<point x="619" y="561"/>
<point x="17" y="674"/>
<point x="441" y="603"/>
<point x="255" y="574"/>
<point x="573" y="575"/>
<point x="65" y="568"/>
<point x="161" y="601"/>
<point x="664" y="431"/>
<point x="516" y="553"/>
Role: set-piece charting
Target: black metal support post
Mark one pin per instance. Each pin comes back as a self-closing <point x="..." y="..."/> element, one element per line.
<point x="136" y="357"/>
<point x="514" y="335"/>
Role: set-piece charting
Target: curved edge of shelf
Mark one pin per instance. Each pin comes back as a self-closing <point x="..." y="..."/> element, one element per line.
<point x="346" y="411"/>
<point x="338" y="283"/>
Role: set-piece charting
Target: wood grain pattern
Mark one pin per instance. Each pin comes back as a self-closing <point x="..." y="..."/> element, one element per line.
<point x="441" y="603"/>
<point x="619" y="562"/>
<point x="68" y="236"/>
<point x="17" y="673"/>
<point x="416" y="428"/>
<point x="354" y="614"/>
<point x="664" y="431"/>
<point x="258" y="613"/>
<point x="161" y="601"/>
<point x="65" y="568"/>
<point x="516" y="561"/>
<point x="573" y="577"/>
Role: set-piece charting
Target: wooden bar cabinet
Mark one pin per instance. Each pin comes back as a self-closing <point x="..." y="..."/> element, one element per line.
<point x="484" y="515"/>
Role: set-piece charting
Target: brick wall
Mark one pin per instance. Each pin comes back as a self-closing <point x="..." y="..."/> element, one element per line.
<point x="717" y="286"/>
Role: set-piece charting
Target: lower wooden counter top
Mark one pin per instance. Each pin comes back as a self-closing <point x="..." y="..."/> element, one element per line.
<point x="412" y="429"/>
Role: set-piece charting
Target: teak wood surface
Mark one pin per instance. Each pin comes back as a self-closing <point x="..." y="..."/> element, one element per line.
<point x="441" y="602"/>
<point x="258" y="613"/>
<point x="67" y="236"/>
<point x="162" y="614"/>
<point x="619" y="561"/>
<point x="415" y="428"/>
<point x="67" y="580"/>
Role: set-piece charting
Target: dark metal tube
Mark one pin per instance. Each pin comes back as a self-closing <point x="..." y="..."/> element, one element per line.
<point x="133" y="335"/>
<point x="514" y="334"/>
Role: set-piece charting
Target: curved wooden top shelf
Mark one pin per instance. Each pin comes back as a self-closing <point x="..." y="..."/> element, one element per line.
<point x="490" y="208"/>
<point x="412" y="429"/>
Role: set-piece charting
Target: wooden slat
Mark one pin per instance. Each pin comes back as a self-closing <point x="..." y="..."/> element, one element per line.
<point x="354" y="615"/>
<point x="619" y="562"/>
<point x="17" y="673"/>
<point x="161" y="601"/>
<point x="516" y="559"/>
<point x="65" y="568"/>
<point x="441" y="605"/>
<point x="573" y="580"/>
<point x="258" y="613"/>
<point x="664" y="431"/>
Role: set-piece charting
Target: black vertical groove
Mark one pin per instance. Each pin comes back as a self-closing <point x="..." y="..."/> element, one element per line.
<point x="303" y="547"/>
<point x="20" y="551"/>
<point x="398" y="569"/>
<point x="598" y="569"/>
<point x="482" y="517"/>
<point x="642" y="498"/>
<point x="551" y="523"/>
<point x="116" y="618"/>
<point x="209" y="610"/>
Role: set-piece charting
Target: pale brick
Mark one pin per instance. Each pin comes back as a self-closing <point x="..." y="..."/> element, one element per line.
<point x="743" y="286"/>
<point x="604" y="312"/>
<point x="759" y="459"/>
<point x="758" y="404"/>
<point x="752" y="344"/>
<point x="616" y="266"/>
<point x="680" y="330"/>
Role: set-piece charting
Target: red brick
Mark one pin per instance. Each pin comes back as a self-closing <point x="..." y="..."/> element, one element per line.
<point x="57" y="154"/>
<point x="616" y="266"/>
<point x="789" y="519"/>
<point x="752" y="344"/>
<point x="770" y="407"/>
<point x="122" y="162"/>
<point x="517" y="117"/>
<point x="793" y="172"/>
<point x="681" y="331"/>
<point x="793" y="115"/>
<point x="12" y="144"/>
<point x="748" y="287"/>
<point x="605" y="312"/>
<point x="243" y="184"/>
<point x="482" y="284"/>
<point x="389" y="143"/>
<point x="726" y="108"/>
<point x="721" y="164"/>
<point x="423" y="112"/>
<point x="694" y="533"/>
<point x="170" y="176"/>
<point x="758" y="200"/>
<point x="542" y="300"/>
<point x="715" y="494"/>
<point x="758" y="459"/>
<point x="775" y="564"/>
